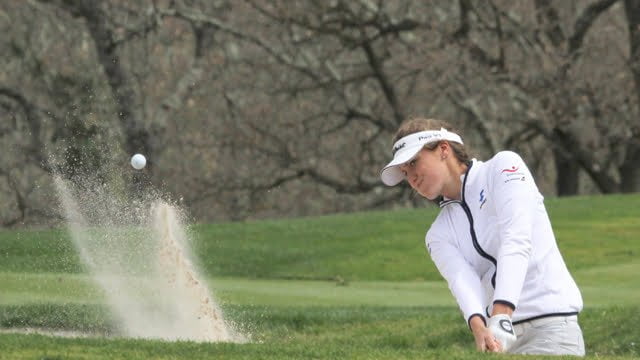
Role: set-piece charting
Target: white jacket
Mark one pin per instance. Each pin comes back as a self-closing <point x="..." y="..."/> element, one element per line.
<point x="501" y="223"/>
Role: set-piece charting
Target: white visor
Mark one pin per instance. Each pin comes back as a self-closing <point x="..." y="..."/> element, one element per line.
<point x="408" y="147"/>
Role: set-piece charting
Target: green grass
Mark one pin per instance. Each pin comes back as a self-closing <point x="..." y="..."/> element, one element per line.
<point x="23" y="288"/>
<point x="321" y="332"/>
<point x="591" y="231"/>
<point x="356" y="286"/>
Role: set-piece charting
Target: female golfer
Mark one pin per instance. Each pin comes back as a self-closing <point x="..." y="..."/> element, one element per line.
<point x="492" y="241"/>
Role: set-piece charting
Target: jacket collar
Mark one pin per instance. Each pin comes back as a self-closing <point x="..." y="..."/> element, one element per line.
<point x="465" y="179"/>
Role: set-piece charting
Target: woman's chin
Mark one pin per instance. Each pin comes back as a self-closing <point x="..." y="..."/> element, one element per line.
<point x="428" y="196"/>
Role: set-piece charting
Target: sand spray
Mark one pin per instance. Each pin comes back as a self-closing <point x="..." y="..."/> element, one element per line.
<point x="137" y="252"/>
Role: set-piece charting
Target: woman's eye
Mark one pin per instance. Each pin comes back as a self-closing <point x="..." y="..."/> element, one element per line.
<point x="412" y="163"/>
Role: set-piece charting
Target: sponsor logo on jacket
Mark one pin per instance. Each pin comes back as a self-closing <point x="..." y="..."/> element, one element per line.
<point x="483" y="199"/>
<point x="512" y="174"/>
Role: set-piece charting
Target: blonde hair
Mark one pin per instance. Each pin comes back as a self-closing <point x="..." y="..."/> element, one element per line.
<point x="417" y="124"/>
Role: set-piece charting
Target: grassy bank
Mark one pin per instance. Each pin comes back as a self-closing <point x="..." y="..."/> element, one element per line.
<point x="357" y="286"/>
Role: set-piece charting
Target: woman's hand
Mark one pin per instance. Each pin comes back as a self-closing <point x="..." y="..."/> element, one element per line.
<point x="501" y="327"/>
<point x="485" y="341"/>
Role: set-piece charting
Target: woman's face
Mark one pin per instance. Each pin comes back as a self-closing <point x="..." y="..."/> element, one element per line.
<point x="426" y="173"/>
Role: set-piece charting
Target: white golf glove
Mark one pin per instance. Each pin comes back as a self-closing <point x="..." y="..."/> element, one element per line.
<point x="502" y="329"/>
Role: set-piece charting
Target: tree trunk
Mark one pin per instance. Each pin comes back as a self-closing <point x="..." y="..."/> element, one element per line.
<point x="584" y="159"/>
<point x="629" y="171"/>
<point x="632" y="10"/>
<point x="137" y="138"/>
<point x="567" y="180"/>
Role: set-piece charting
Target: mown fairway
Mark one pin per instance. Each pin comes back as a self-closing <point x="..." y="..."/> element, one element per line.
<point x="357" y="286"/>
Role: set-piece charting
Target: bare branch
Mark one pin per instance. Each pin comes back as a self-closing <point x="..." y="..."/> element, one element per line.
<point x="277" y="54"/>
<point x="359" y="187"/>
<point x="387" y="88"/>
<point x="586" y="159"/>
<point x="461" y="36"/>
<point x="585" y="20"/>
<point x="474" y="117"/>
<point x="33" y="121"/>
<point x="549" y="19"/>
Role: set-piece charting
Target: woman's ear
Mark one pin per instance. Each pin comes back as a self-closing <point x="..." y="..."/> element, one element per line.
<point x="444" y="149"/>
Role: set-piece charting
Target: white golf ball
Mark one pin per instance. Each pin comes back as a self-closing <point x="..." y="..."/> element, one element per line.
<point x="138" y="161"/>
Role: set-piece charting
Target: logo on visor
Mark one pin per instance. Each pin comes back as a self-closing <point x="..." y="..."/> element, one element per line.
<point x="512" y="170"/>
<point x="429" y="137"/>
<point x="398" y="147"/>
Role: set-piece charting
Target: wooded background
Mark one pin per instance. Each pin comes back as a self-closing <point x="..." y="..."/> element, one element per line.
<point x="269" y="108"/>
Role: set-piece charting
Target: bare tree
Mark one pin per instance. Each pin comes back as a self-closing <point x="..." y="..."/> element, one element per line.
<point x="630" y="174"/>
<point x="261" y="108"/>
<point x="587" y="125"/>
<point x="553" y="103"/>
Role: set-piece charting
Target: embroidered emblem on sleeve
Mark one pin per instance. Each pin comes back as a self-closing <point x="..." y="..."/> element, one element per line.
<point x="512" y="174"/>
<point x="483" y="199"/>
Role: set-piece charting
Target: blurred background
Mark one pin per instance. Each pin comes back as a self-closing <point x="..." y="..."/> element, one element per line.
<point x="255" y="109"/>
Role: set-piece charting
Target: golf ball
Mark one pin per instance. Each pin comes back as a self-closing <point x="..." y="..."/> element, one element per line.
<point x="138" y="161"/>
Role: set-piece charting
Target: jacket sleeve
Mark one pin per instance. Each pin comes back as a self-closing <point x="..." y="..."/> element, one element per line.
<point x="516" y="199"/>
<point x="463" y="281"/>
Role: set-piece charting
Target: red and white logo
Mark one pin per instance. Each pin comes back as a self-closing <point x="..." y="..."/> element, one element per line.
<point x="512" y="170"/>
